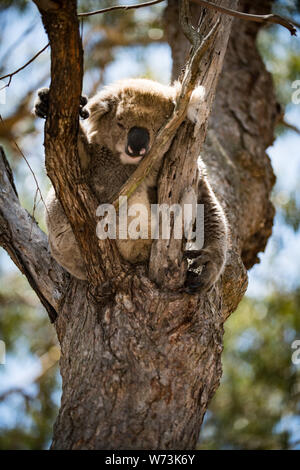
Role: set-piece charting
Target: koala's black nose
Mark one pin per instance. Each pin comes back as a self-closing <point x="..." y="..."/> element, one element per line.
<point x="138" y="142"/>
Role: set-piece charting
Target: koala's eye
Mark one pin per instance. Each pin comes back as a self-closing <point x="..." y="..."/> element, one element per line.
<point x="120" y="125"/>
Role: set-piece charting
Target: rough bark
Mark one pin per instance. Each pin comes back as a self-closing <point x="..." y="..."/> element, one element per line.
<point x="140" y="365"/>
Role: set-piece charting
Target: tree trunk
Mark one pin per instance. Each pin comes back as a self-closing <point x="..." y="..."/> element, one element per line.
<point x="140" y="366"/>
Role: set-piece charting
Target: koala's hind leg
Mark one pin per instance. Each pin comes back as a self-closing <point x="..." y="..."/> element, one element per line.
<point x="207" y="264"/>
<point x="63" y="245"/>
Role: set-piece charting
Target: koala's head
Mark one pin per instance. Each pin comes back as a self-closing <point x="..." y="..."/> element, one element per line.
<point x="126" y="116"/>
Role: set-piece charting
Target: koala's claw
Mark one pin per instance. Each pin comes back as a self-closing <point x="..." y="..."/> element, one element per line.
<point x="202" y="273"/>
<point x="41" y="104"/>
<point x="83" y="100"/>
<point x="83" y="113"/>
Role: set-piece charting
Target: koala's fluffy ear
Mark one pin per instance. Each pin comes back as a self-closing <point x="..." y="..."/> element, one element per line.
<point x="196" y="101"/>
<point x="99" y="105"/>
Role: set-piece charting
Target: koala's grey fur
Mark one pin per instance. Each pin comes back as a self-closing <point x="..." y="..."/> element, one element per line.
<point x="105" y="163"/>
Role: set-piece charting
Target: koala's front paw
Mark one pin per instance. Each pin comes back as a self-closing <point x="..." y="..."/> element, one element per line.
<point x="203" y="271"/>
<point x="83" y="113"/>
<point x="41" y="104"/>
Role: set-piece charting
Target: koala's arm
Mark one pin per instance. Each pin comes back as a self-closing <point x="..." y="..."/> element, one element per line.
<point x="41" y="109"/>
<point x="208" y="263"/>
<point x="63" y="245"/>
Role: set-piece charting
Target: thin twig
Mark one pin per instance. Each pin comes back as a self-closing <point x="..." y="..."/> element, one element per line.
<point x="276" y="19"/>
<point x="31" y="170"/>
<point x="292" y="127"/>
<point x="33" y="212"/>
<point x="13" y="391"/>
<point x="10" y="75"/>
<point x="120" y="7"/>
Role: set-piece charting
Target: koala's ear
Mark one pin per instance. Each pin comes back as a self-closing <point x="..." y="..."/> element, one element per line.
<point x="196" y="101"/>
<point x="195" y="104"/>
<point x="98" y="108"/>
<point x="100" y="105"/>
<point x="176" y="91"/>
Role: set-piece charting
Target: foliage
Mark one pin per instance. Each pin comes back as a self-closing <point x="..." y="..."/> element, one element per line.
<point x="258" y="401"/>
<point x="33" y="404"/>
<point x="280" y="53"/>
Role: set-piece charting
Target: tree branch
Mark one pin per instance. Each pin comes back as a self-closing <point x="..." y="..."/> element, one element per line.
<point x="10" y="75"/>
<point x="27" y="245"/>
<point x="289" y="126"/>
<point x="13" y="391"/>
<point x="61" y="130"/>
<point x="120" y="7"/>
<point x="275" y="19"/>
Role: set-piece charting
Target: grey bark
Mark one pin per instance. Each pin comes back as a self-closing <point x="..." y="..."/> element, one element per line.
<point x="140" y="365"/>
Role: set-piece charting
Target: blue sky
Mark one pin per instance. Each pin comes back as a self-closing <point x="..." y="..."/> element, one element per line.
<point x="281" y="264"/>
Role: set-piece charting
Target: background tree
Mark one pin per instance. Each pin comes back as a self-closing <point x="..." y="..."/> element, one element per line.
<point x="10" y="397"/>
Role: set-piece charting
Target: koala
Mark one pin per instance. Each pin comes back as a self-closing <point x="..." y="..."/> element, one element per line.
<point x="119" y="128"/>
